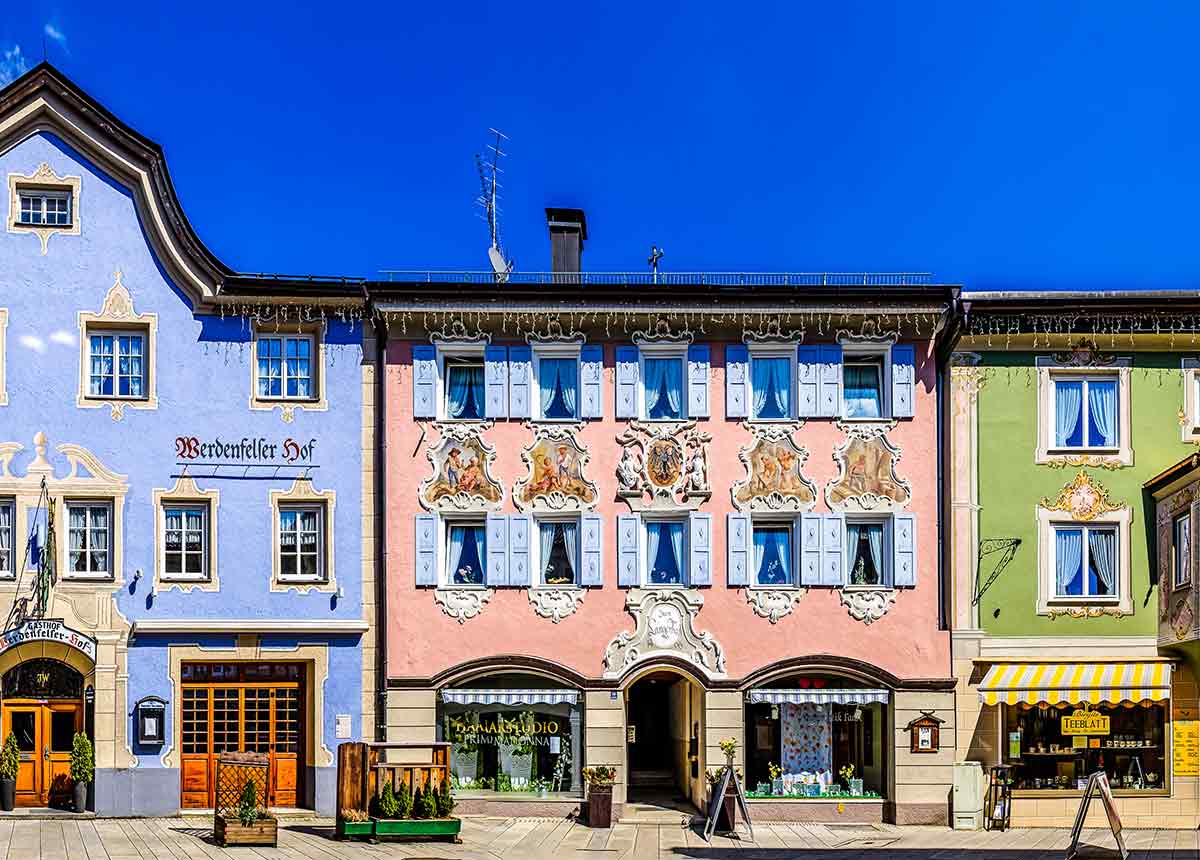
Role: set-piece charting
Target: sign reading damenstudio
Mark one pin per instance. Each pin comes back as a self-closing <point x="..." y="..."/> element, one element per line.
<point x="248" y="449"/>
<point x="48" y="630"/>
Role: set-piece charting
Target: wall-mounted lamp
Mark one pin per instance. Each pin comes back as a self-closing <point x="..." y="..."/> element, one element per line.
<point x="341" y="592"/>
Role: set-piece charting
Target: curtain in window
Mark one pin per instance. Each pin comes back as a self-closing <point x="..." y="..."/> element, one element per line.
<point x="853" y="534"/>
<point x="675" y="532"/>
<point x="1068" y="397"/>
<point x="458" y="535"/>
<point x="5" y="537"/>
<point x="760" y="550"/>
<point x="546" y="544"/>
<point x="664" y="385"/>
<point x="1102" y="405"/>
<point x="781" y="368"/>
<point x="653" y="535"/>
<point x="875" y="539"/>
<point x="761" y="383"/>
<point x="557" y="385"/>
<point x="862" y="391"/>
<point x="466" y="392"/>
<point x="772" y="392"/>
<point x="1068" y="545"/>
<point x="570" y="532"/>
<point x="1102" y="547"/>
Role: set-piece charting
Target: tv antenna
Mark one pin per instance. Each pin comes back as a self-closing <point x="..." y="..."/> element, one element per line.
<point x="489" y="184"/>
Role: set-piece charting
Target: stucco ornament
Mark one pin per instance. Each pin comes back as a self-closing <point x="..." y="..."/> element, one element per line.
<point x="117" y="310"/>
<point x="44" y="178"/>
<point x="555" y="603"/>
<point x="663" y="466"/>
<point x="772" y="330"/>
<point x="867" y="479"/>
<point x="866" y="605"/>
<point x="556" y="480"/>
<point x="1083" y="499"/>
<point x="774" y="472"/>
<point x="1085" y="354"/>
<point x="774" y="603"/>
<point x="461" y="479"/>
<point x="665" y="627"/>
<point x="462" y="603"/>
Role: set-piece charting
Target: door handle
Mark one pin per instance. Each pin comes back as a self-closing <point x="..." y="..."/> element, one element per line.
<point x="46" y="753"/>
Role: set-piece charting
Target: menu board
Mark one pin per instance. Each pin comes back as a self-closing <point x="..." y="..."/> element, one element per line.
<point x="1186" y="748"/>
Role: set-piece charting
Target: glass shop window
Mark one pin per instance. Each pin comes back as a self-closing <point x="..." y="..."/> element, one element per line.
<point x="1085" y="413"/>
<point x="1085" y="562"/>
<point x="510" y="749"/>
<point x="466" y="552"/>
<point x="773" y="560"/>
<point x="559" y="552"/>
<point x="464" y="389"/>
<point x="664" y="388"/>
<point x="1129" y="744"/>
<point x="558" y="387"/>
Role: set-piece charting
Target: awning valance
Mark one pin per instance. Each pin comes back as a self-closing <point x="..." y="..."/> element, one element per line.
<point x="511" y="697"/>
<point x="819" y="696"/>
<point x="1072" y="683"/>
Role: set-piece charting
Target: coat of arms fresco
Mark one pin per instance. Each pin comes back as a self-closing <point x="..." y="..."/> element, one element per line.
<point x="774" y="477"/>
<point x="867" y="478"/>
<point x="461" y="478"/>
<point x="668" y="463"/>
<point x="556" y="480"/>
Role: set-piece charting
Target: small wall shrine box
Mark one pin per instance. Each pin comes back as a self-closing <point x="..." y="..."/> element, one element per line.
<point x="151" y="717"/>
<point x="923" y="733"/>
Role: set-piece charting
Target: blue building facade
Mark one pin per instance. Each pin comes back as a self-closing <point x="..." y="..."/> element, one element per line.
<point x="186" y="500"/>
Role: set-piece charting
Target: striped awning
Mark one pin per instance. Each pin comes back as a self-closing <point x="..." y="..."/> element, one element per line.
<point x="511" y="697"/>
<point x="822" y="696"/>
<point x="1072" y="683"/>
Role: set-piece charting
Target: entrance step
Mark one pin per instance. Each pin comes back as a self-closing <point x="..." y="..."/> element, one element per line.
<point x="41" y="812"/>
<point x="652" y="779"/>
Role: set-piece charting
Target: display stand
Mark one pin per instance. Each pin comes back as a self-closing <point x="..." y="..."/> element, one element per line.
<point x="1097" y="784"/>
<point x="997" y="805"/>
<point x="728" y="779"/>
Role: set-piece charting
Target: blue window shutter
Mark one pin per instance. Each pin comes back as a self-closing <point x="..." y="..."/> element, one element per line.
<point x="495" y="374"/>
<point x="629" y="539"/>
<point x="737" y="545"/>
<point x="700" y="548"/>
<point x="627" y="373"/>
<point x="904" y="550"/>
<point x="697" y="381"/>
<point x="591" y="550"/>
<point x="520" y="527"/>
<point x="591" y="381"/>
<point x="737" y="381"/>
<point x="833" y="549"/>
<point x="520" y="381"/>
<point x="424" y="370"/>
<point x="810" y="548"/>
<point x="829" y="403"/>
<point x="497" y="550"/>
<point x="426" y="548"/>
<point x="904" y="377"/>
<point x="808" y="360"/>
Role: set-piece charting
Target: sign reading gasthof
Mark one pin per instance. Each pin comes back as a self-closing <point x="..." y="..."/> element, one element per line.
<point x="1085" y="722"/>
<point x="48" y="630"/>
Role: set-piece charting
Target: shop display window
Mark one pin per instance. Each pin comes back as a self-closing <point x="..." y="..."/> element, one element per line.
<point x="1127" y="741"/>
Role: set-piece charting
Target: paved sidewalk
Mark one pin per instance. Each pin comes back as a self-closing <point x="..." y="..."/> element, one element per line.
<point x="519" y="838"/>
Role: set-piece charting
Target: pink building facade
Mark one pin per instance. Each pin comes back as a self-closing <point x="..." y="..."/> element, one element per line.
<point x="625" y="523"/>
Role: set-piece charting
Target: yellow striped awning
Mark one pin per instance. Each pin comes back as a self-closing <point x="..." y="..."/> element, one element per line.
<point x="1073" y="683"/>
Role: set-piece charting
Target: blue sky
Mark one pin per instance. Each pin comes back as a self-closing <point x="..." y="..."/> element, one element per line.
<point x="1017" y="145"/>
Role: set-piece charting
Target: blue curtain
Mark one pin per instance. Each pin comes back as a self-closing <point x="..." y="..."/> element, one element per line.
<point x="1068" y="558"/>
<point x="772" y="553"/>
<point x="558" y="386"/>
<point x="546" y="544"/>
<point x="653" y="535"/>
<point x="664" y="388"/>
<point x="1068" y="398"/>
<point x="1102" y="406"/>
<point x="675" y="532"/>
<point x="760" y="552"/>
<point x="467" y="549"/>
<point x="875" y="539"/>
<point x="761" y="376"/>
<point x="772" y="390"/>
<point x="783" y="389"/>
<point x="457" y="534"/>
<point x="1102" y="548"/>
<point x="465" y="391"/>
<point x="853" y="533"/>
<point x="862" y="391"/>
<point x="570" y="532"/>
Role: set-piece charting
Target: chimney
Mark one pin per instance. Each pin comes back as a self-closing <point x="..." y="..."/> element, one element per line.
<point x="568" y="231"/>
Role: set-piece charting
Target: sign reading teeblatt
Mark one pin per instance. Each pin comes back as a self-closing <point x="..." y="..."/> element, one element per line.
<point x="1085" y="722"/>
<point x="50" y="630"/>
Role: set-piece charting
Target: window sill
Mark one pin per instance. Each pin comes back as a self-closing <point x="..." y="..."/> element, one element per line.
<point x="110" y="398"/>
<point x="30" y="226"/>
<point x="172" y="579"/>
<point x="1075" y="792"/>
<point x="289" y="580"/>
<point x="664" y="420"/>
<point x="85" y="578"/>
<point x="557" y="420"/>
<point x="1072" y="452"/>
<point x="867" y="588"/>
<point x="274" y="400"/>
<point x="1067" y="602"/>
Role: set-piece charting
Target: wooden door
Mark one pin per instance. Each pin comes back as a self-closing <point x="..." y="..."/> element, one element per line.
<point x="25" y="721"/>
<point x="60" y="721"/>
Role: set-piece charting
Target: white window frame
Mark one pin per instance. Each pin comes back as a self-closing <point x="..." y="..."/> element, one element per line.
<point x="1086" y="529"/>
<point x="472" y="351"/>
<point x="887" y="575"/>
<point x="205" y="530"/>
<point x="115" y="334"/>
<point x="792" y="523"/>
<point x="1049" y="371"/>
<point x="314" y="360"/>
<point x="1190" y="419"/>
<point x="445" y="580"/>
<point x="776" y="350"/>
<point x="556" y="350"/>
<point x="685" y="563"/>
<point x="42" y="195"/>
<point x="89" y="575"/>
<point x="881" y="352"/>
<point x="1178" y="581"/>
<point x="676" y="351"/>
<point x="1048" y="600"/>
<point x="321" y="510"/>
<point x="536" y="549"/>
<point x="10" y="504"/>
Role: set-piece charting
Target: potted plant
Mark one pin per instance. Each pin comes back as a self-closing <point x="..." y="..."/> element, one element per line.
<point x="853" y="786"/>
<point x="83" y="768"/>
<point x="776" y="779"/>
<point x="10" y="763"/>
<point x="251" y="826"/>
<point x="600" y="780"/>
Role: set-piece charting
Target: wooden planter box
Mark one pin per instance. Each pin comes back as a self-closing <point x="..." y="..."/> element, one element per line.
<point x="230" y="831"/>
<point x="438" y="827"/>
<point x="347" y="829"/>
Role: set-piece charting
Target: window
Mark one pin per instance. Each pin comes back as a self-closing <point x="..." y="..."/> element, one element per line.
<point x="666" y="553"/>
<point x="466" y="552"/>
<point x="285" y="367"/>
<point x="301" y="542"/>
<point x="117" y="366"/>
<point x="89" y="532"/>
<point x="464" y="389"/>
<point x="49" y="208"/>
<point x="1182" y="545"/>
<point x="558" y="387"/>
<point x="867" y="557"/>
<point x="863" y="381"/>
<point x="558" y="545"/>
<point x="8" y="525"/>
<point x="663" y="388"/>
<point x="1085" y="412"/>
<point x="771" y="380"/>
<point x="773" y="559"/>
<point x="1086" y="562"/>
<point x="185" y="541"/>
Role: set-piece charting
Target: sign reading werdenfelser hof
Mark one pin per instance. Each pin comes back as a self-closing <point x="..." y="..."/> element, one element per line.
<point x="248" y="449"/>
<point x="48" y="630"/>
<point x="1085" y="722"/>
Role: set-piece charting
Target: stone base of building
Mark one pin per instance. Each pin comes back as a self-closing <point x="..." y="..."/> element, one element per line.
<point x="814" y="811"/>
<point x="535" y="808"/>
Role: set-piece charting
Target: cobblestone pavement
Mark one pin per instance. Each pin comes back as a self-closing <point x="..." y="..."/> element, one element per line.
<point x="491" y="838"/>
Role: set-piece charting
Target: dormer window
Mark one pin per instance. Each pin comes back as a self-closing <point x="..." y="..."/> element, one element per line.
<point x="40" y="207"/>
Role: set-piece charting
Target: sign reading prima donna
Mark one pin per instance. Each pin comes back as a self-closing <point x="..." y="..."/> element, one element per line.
<point x="48" y="630"/>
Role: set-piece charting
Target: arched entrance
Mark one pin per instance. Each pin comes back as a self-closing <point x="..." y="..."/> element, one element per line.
<point x="43" y="709"/>
<point x="664" y="720"/>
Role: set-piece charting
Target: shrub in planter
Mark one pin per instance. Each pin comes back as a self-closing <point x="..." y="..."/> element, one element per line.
<point x="428" y="807"/>
<point x="418" y="804"/>
<point x="404" y="801"/>
<point x="445" y="801"/>
<point x="10" y="763"/>
<point x="389" y="804"/>
<point x="83" y="768"/>
<point x="247" y="811"/>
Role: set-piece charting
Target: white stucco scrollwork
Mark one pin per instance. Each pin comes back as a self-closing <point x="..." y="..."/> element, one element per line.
<point x="867" y="606"/>
<point x="462" y="603"/>
<point x="555" y="603"/>
<point x="773" y="603"/>
<point x="665" y="627"/>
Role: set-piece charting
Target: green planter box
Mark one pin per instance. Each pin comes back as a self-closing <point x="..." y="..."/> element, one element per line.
<point x="442" y="827"/>
<point x="355" y="828"/>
